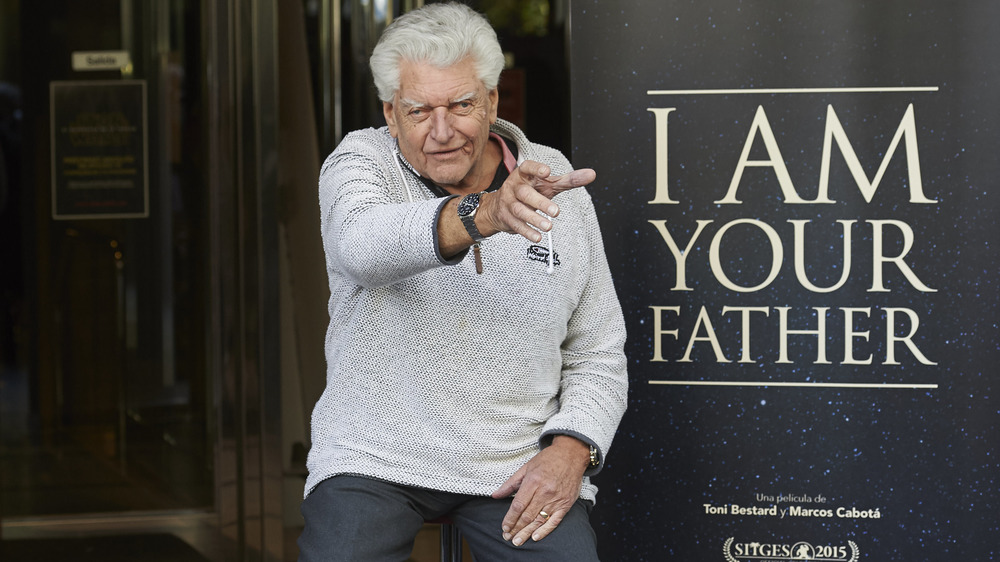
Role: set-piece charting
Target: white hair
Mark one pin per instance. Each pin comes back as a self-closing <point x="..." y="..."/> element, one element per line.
<point x="440" y="35"/>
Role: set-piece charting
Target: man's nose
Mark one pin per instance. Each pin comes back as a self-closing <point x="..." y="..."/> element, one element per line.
<point x="441" y="128"/>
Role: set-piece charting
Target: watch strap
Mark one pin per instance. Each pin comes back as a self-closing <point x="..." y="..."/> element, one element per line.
<point x="467" y="208"/>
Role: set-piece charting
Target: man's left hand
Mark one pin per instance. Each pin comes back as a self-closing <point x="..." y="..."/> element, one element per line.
<point x="549" y="483"/>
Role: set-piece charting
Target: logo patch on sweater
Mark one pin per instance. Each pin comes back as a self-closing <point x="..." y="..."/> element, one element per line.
<point x="541" y="253"/>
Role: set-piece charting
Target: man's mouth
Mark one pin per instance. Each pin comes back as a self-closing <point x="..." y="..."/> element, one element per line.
<point x="445" y="153"/>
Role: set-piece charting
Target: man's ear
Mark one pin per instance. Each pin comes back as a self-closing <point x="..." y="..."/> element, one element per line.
<point x="494" y="97"/>
<point x="390" y="118"/>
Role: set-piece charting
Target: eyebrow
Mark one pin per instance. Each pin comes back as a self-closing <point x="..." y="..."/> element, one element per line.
<point x="460" y="99"/>
<point x="465" y="97"/>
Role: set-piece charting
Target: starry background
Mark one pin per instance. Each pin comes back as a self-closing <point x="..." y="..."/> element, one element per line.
<point x="925" y="458"/>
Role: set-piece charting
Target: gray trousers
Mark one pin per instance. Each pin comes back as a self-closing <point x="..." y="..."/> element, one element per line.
<point x="357" y="519"/>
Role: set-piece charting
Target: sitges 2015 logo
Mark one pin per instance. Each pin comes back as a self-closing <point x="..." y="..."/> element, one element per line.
<point x="768" y="551"/>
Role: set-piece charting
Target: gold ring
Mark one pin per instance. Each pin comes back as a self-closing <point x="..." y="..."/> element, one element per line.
<point x="543" y="515"/>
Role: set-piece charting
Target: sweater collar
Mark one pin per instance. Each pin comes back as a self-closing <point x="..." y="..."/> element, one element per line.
<point x="506" y="166"/>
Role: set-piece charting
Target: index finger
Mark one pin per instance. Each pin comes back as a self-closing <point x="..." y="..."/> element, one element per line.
<point x="511" y="521"/>
<point x="576" y="178"/>
<point x="552" y="186"/>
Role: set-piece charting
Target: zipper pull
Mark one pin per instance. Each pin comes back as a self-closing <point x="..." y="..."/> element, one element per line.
<point x="479" y="258"/>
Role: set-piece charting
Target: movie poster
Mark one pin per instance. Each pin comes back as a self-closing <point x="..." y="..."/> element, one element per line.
<point x="799" y="206"/>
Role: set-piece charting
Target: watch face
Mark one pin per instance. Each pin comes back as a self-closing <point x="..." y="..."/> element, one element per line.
<point x="468" y="204"/>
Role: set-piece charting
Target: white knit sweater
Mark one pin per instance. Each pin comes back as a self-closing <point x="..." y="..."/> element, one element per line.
<point x="441" y="378"/>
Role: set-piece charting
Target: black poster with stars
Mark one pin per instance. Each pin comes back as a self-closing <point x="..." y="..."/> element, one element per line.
<point x="799" y="206"/>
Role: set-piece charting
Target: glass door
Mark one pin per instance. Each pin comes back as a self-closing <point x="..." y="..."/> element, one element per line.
<point x="135" y="293"/>
<point x="105" y="393"/>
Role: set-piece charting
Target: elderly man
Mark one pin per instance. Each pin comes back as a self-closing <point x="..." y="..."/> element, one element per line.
<point x="475" y="371"/>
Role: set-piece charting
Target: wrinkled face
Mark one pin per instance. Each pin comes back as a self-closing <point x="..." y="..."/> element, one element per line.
<point x="441" y="118"/>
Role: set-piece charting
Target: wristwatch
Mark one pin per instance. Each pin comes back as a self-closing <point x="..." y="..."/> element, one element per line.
<point x="467" y="208"/>
<point x="594" y="458"/>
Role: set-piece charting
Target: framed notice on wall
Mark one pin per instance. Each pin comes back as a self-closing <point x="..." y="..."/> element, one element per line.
<point x="99" y="150"/>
